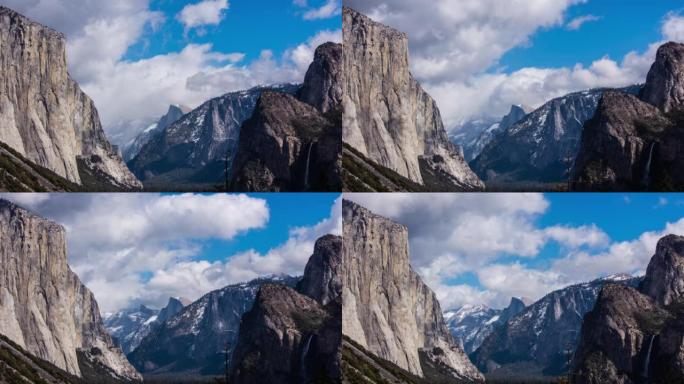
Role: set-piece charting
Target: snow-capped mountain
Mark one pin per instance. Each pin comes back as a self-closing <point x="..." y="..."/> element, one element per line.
<point x="535" y="341"/>
<point x="147" y="128"/>
<point x="542" y="146"/>
<point x="471" y="324"/>
<point x="193" y="150"/>
<point x="474" y="135"/>
<point x="129" y="326"/>
<point x="196" y="338"/>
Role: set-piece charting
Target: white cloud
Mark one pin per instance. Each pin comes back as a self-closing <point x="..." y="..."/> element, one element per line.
<point x="207" y="12"/>
<point x="114" y="239"/>
<point x="577" y="22"/>
<point x="455" y="50"/>
<point x="329" y="9"/>
<point x="673" y="27"/>
<point x="99" y="34"/>
<point x="498" y="238"/>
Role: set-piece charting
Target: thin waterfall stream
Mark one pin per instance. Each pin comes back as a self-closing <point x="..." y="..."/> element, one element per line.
<point x="648" y="357"/>
<point x="308" y="163"/>
<point x="647" y="173"/>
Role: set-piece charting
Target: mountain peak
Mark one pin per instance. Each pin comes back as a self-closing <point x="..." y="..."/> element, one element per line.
<point x="665" y="81"/>
<point x="664" y="281"/>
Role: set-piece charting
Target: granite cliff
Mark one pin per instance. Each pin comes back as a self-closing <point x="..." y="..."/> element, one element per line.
<point x="44" y="115"/>
<point x="387" y="309"/>
<point x="388" y="118"/>
<point x="44" y="307"/>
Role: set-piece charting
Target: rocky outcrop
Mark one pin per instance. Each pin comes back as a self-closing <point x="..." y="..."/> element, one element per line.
<point x="636" y="143"/>
<point x="387" y="309"/>
<point x="289" y="145"/>
<point x="619" y="144"/>
<point x="294" y="336"/>
<point x="665" y="82"/>
<point x="322" y="280"/>
<point x="44" y="307"/>
<point x="194" y="149"/>
<point x="635" y="336"/>
<point x="44" y="115"/>
<point x="534" y="343"/>
<point x="388" y="117"/>
<point x="322" y="86"/>
<point x="542" y="146"/>
<point x="664" y="281"/>
<point x="195" y="339"/>
<point x="286" y="338"/>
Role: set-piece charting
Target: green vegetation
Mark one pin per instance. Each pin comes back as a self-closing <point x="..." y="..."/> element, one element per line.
<point x="356" y="369"/>
<point x="15" y="177"/>
<point x="17" y="366"/>
<point x="356" y="174"/>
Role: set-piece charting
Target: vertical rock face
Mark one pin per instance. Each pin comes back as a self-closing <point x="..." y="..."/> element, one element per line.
<point x="44" y="307"/>
<point x="321" y="279"/>
<point x="388" y="117"/>
<point x="635" y="336"/>
<point x="295" y="336"/>
<point x="290" y="145"/>
<point x="636" y="143"/>
<point x="44" y="115"/>
<point x="616" y="145"/>
<point x="387" y="309"/>
<point x="323" y="82"/>
<point x="664" y="280"/>
<point x="665" y="82"/>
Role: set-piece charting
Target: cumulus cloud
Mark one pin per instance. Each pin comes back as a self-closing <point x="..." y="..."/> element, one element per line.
<point x="146" y="247"/>
<point x="498" y="238"/>
<point x="207" y="12"/>
<point x="456" y="46"/>
<point x="327" y="10"/>
<point x="579" y="21"/>
<point x="99" y="34"/>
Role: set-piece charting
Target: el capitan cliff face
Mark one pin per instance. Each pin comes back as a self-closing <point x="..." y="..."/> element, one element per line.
<point x="388" y="118"/>
<point x="44" y="307"/>
<point x="44" y="115"/>
<point x="387" y="309"/>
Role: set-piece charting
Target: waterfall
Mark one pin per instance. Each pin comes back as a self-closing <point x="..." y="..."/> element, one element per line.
<point x="308" y="163"/>
<point x="647" y="172"/>
<point x="305" y="351"/>
<point x="648" y="357"/>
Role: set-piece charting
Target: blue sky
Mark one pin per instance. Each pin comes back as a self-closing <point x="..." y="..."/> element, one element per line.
<point x="248" y="27"/>
<point x="287" y="211"/>
<point x="145" y="247"/>
<point x="485" y="248"/>
<point x="623" y="26"/>
<point x="136" y="57"/>
<point x="477" y="58"/>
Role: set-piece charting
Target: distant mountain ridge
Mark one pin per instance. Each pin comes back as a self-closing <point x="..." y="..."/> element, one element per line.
<point x="130" y="326"/>
<point x="195" y="339"/>
<point x="542" y="146"/>
<point x="193" y="150"/>
<point x="533" y="343"/>
<point x="471" y="325"/>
